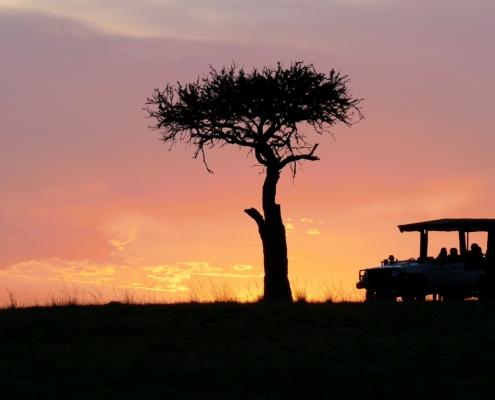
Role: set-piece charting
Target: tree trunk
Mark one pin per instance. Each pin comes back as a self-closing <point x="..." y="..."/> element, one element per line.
<point x="272" y="233"/>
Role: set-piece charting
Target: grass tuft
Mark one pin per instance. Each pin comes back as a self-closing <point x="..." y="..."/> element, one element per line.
<point x="12" y="301"/>
<point x="200" y="291"/>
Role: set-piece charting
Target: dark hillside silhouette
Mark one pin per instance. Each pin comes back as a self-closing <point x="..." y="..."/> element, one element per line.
<point x="260" y="110"/>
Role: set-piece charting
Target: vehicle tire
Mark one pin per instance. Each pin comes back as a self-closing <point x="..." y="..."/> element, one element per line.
<point x="417" y="289"/>
<point x="407" y="297"/>
<point x="452" y="297"/>
<point x="413" y="297"/>
<point x="486" y="288"/>
<point x="385" y="296"/>
<point x="370" y="295"/>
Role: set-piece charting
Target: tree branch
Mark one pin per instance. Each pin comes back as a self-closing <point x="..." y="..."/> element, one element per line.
<point x="298" y="157"/>
<point x="255" y="214"/>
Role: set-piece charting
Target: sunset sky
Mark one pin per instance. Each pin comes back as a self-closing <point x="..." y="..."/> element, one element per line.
<point x="90" y="197"/>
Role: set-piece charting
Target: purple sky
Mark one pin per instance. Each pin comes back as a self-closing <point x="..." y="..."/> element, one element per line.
<point x="89" y="195"/>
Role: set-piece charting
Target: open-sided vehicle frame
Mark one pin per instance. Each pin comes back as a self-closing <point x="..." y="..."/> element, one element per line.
<point x="467" y="276"/>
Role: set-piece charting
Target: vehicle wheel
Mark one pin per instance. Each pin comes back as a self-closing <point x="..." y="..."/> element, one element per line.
<point x="407" y="297"/>
<point x="413" y="297"/>
<point x="385" y="296"/>
<point x="486" y="293"/>
<point x="370" y="295"/>
<point x="452" y="297"/>
<point x="485" y="296"/>
<point x="417" y="289"/>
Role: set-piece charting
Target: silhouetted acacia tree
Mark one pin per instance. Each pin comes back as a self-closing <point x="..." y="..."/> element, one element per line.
<point x="263" y="111"/>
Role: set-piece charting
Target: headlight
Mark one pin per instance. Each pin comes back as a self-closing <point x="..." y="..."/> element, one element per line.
<point x="394" y="273"/>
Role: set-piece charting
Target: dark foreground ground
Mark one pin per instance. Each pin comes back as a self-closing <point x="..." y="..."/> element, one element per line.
<point x="249" y="351"/>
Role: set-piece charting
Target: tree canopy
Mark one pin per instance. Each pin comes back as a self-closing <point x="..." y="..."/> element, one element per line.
<point x="262" y="110"/>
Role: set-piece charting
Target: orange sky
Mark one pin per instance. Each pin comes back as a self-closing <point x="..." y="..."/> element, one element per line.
<point x="89" y="197"/>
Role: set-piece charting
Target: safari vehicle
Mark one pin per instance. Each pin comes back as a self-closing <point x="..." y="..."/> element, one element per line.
<point x="469" y="274"/>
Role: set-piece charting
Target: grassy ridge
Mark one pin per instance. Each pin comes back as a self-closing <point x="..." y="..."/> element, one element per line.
<point x="249" y="351"/>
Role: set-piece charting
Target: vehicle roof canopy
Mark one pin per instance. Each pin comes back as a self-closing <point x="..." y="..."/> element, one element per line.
<point x="448" y="225"/>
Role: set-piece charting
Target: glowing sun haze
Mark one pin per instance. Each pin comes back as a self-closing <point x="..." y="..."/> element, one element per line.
<point x="89" y="196"/>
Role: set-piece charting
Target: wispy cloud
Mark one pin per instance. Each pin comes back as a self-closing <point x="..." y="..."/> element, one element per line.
<point x="120" y="245"/>
<point x="221" y="20"/>
<point x="167" y="278"/>
<point x="57" y="269"/>
<point x="242" y="267"/>
<point x="290" y="229"/>
<point x="313" y="232"/>
<point x="307" y="220"/>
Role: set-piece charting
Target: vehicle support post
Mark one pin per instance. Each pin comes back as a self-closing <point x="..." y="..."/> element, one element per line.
<point x="490" y="244"/>
<point x="423" y="245"/>
<point x="462" y="243"/>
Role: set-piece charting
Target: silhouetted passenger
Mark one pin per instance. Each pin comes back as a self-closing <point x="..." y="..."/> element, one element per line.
<point x="477" y="250"/>
<point x="474" y="256"/>
<point x="442" y="256"/>
<point x="454" y="256"/>
<point x="390" y="260"/>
